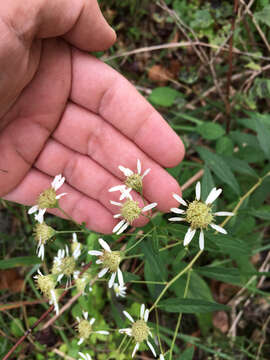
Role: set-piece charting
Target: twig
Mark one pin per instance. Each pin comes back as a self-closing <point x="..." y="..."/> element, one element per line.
<point x="18" y="304"/>
<point x="192" y="180"/>
<point x="63" y="355"/>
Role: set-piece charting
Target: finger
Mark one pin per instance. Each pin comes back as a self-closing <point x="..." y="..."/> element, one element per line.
<point x="81" y="21"/>
<point x="78" y="206"/>
<point x="101" y="89"/>
<point x="35" y="114"/>
<point x="83" y="174"/>
<point x="89" y="134"/>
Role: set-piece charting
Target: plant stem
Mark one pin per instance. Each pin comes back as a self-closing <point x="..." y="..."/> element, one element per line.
<point x="179" y="316"/>
<point x="182" y="272"/>
<point x="137" y="243"/>
<point x="69" y="217"/>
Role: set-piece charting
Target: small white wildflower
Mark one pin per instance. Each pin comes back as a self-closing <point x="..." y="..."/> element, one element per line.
<point x="139" y="330"/>
<point x="84" y="356"/>
<point x="42" y="234"/>
<point x="125" y="192"/>
<point x="130" y="211"/>
<point x="119" y="290"/>
<point x="85" y="328"/>
<point x="48" y="199"/>
<point x="133" y="180"/>
<point x="64" y="265"/>
<point x="45" y="283"/>
<point x="110" y="260"/>
<point x="199" y="214"/>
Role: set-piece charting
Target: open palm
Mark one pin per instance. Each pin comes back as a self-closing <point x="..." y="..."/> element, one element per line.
<point x="64" y="111"/>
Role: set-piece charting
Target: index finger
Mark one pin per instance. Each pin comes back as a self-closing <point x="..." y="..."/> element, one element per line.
<point x="107" y="93"/>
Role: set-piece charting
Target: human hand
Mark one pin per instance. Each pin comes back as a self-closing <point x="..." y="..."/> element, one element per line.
<point x="64" y="111"/>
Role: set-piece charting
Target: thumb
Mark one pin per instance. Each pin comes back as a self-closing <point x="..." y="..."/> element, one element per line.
<point x="80" y="22"/>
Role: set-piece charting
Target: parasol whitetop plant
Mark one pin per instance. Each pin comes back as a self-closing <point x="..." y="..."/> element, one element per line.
<point x="199" y="214"/>
<point x="130" y="211"/>
<point x="65" y="265"/>
<point x="110" y="261"/>
<point x="139" y="330"/>
<point x="85" y="328"/>
<point x="48" y="199"/>
<point x="42" y="234"/>
<point x="133" y="180"/>
<point x="46" y="284"/>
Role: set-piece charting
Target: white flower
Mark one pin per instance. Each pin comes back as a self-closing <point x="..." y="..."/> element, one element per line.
<point x="84" y="356"/>
<point x="85" y="328"/>
<point x="199" y="214"/>
<point x="110" y="260"/>
<point x="64" y="265"/>
<point x="119" y="290"/>
<point x="47" y="199"/>
<point x="53" y="301"/>
<point x="130" y="211"/>
<point x="133" y="180"/>
<point x="139" y="330"/>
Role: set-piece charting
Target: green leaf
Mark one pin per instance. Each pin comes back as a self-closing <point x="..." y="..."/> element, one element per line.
<point x="190" y="306"/>
<point x="210" y="131"/>
<point x="228" y="275"/>
<point x="19" y="261"/>
<point x="220" y="168"/>
<point x="240" y="166"/>
<point x="163" y="96"/>
<point x="228" y="244"/>
<point x="263" y="137"/>
<point x="16" y="327"/>
<point x="224" y="146"/>
<point x="207" y="182"/>
<point x="261" y="213"/>
<point x="264" y="15"/>
<point x="187" y="354"/>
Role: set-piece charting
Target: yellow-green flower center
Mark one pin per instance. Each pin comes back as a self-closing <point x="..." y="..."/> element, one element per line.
<point x="66" y="267"/>
<point x="43" y="232"/>
<point x="47" y="199"/>
<point x="84" y="329"/>
<point x="140" y="331"/>
<point x="134" y="182"/>
<point x="111" y="260"/>
<point x="199" y="215"/>
<point x="45" y="283"/>
<point x="131" y="210"/>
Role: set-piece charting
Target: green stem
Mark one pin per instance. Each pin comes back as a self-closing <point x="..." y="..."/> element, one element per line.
<point x="138" y="242"/>
<point x="69" y="231"/>
<point x="179" y="316"/>
<point x="121" y="343"/>
<point x="69" y="217"/>
<point x="182" y="272"/>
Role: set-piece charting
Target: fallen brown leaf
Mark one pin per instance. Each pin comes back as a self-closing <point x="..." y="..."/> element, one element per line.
<point x="11" y="280"/>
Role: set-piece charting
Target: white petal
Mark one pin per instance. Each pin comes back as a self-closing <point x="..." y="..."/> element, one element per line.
<point x="74" y="237"/>
<point x="99" y="262"/>
<point x="146" y="315"/>
<point x="123" y="228"/>
<point x="161" y="357"/>
<point x="40" y="215"/>
<point x="80" y="341"/>
<point x="151" y="348"/>
<point x="136" y="347"/>
<point x="201" y="240"/>
<point x="104" y="245"/>
<point x="127" y="331"/>
<point x="115" y="203"/>
<point x="218" y="228"/>
<point x="126" y="171"/>
<point x="147" y="171"/>
<point x="33" y="209"/>
<point x="176" y="219"/>
<point x="179" y="199"/>
<point x="103" y="272"/>
<point x="116" y="216"/>
<point x="92" y="321"/>
<point x="85" y="315"/>
<point x="139" y="167"/>
<point x="149" y="207"/>
<point x="177" y="211"/>
<point x="59" y="278"/>
<point x="198" y="190"/>
<point x="224" y="213"/>
<point x="189" y="236"/>
<point x="57" y="182"/>
<point x="60" y="195"/>
<point x="117" y="188"/>
<point x="41" y="252"/>
<point x="112" y="278"/>
<point x="130" y="318"/>
<point x="126" y="194"/>
<point x="120" y="277"/>
<point x="118" y="226"/>
<point x="142" y="311"/>
<point x="102" y="332"/>
<point x="214" y="194"/>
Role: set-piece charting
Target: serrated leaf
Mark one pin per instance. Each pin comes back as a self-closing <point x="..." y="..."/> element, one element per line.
<point x="228" y="275"/>
<point x="224" y="146"/>
<point x="228" y="244"/>
<point x="263" y="134"/>
<point x="263" y="16"/>
<point x="220" y="168"/>
<point x="163" y="96"/>
<point x="190" y="306"/>
<point x="16" y="327"/>
<point x="240" y="166"/>
<point x="207" y="183"/>
<point x="210" y="131"/>
<point x="19" y="261"/>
